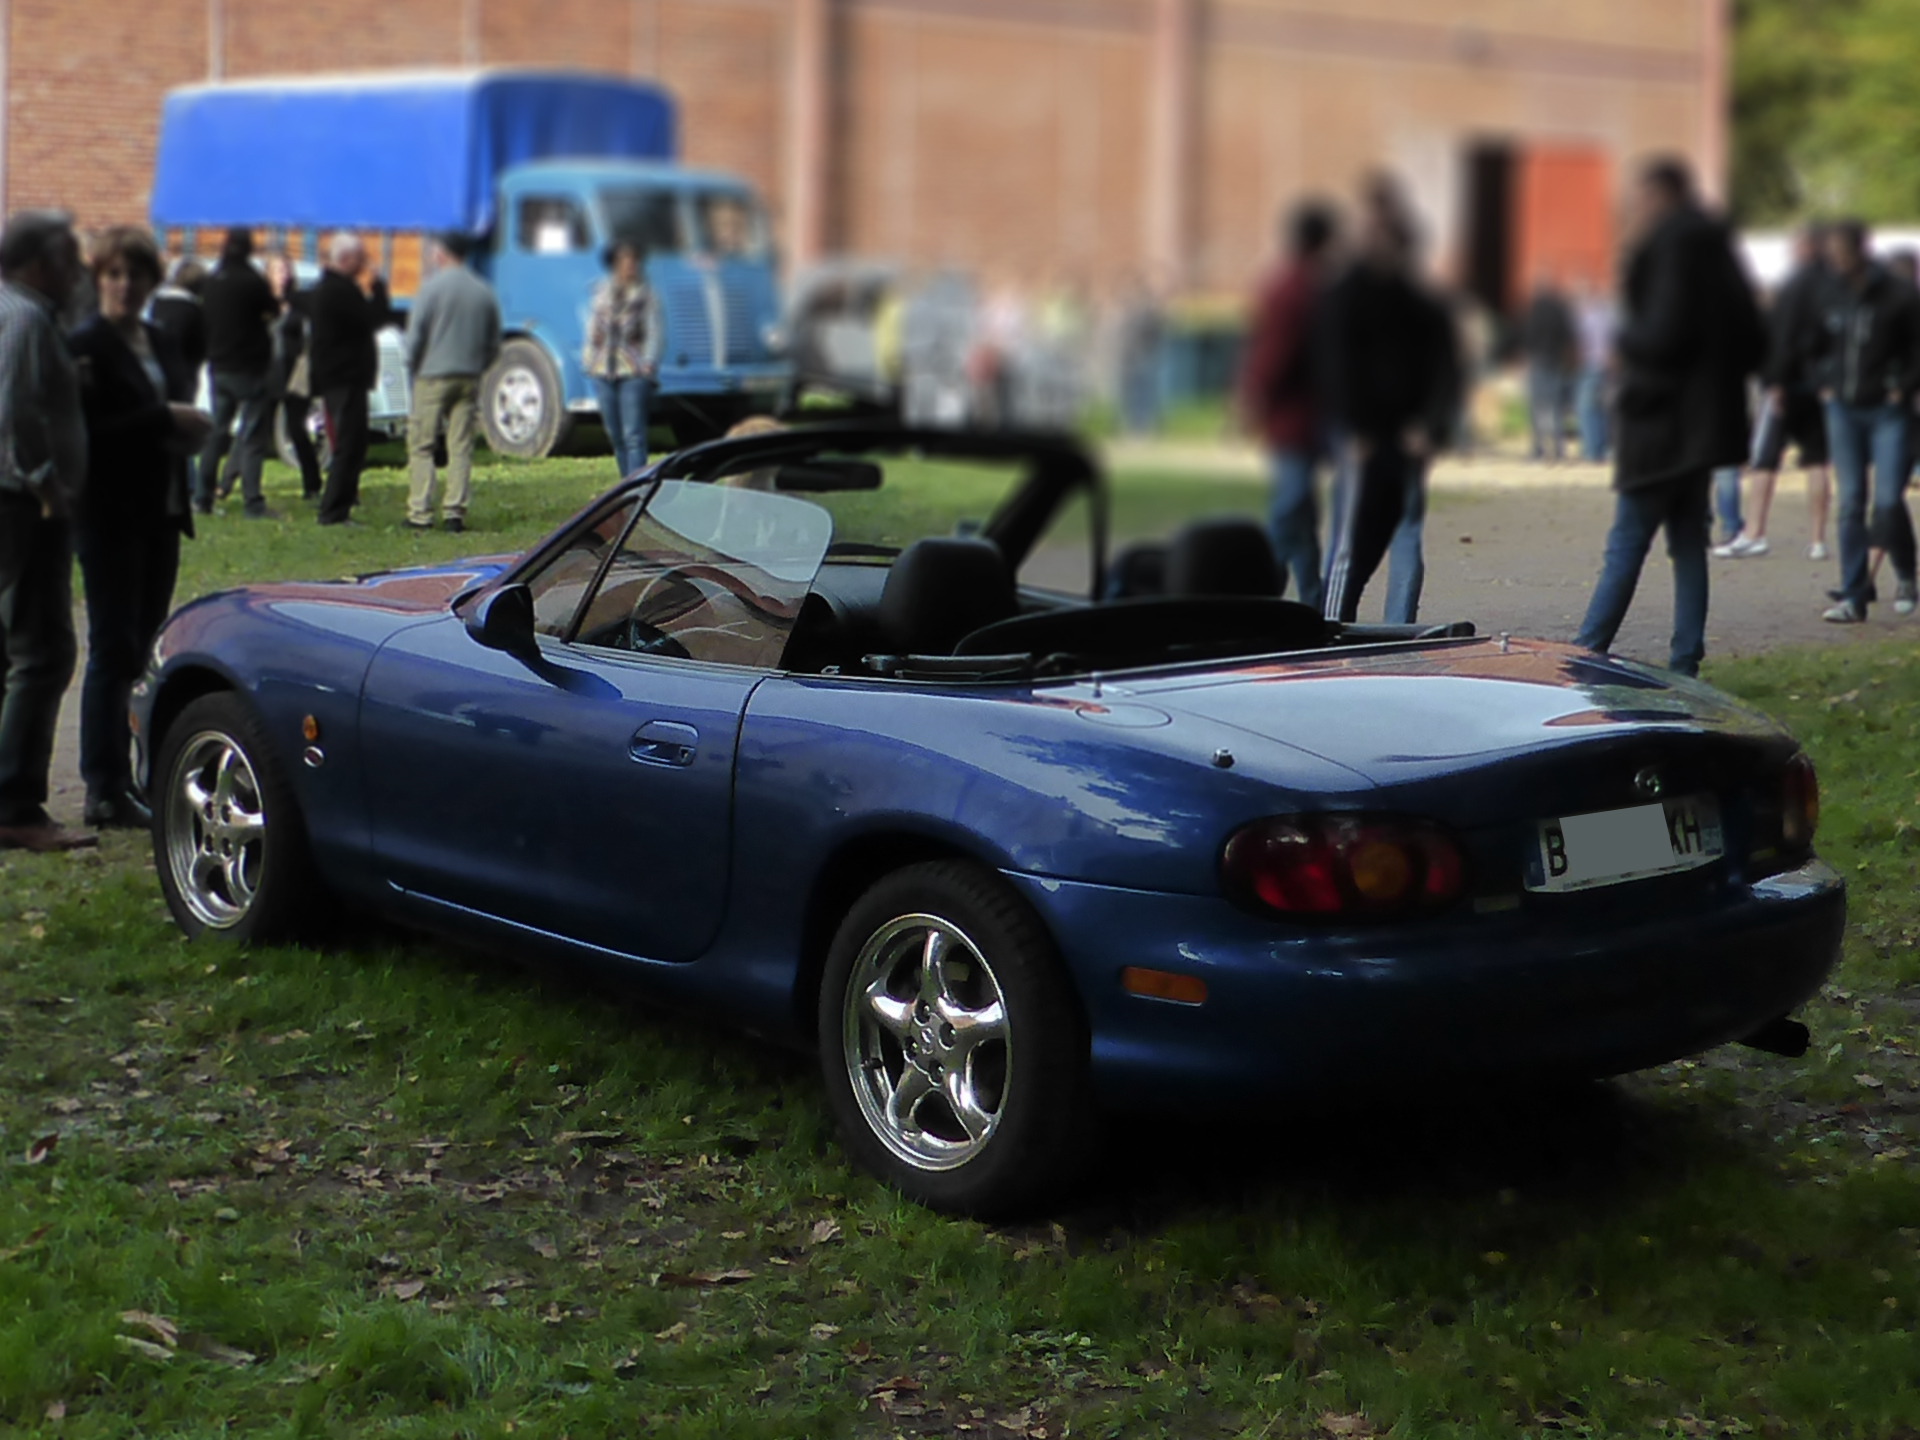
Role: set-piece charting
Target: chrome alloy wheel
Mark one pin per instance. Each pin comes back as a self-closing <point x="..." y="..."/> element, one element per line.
<point x="927" y="1043"/>
<point x="519" y="405"/>
<point x="216" y="830"/>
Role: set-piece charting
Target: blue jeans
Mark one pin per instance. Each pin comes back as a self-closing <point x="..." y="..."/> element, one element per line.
<point x="1293" y="520"/>
<point x="1590" y="404"/>
<point x="1859" y="435"/>
<point x="1726" y="500"/>
<point x="623" y="410"/>
<point x="242" y="397"/>
<point x="1406" y="561"/>
<point x="1680" y="507"/>
<point x="1549" y="395"/>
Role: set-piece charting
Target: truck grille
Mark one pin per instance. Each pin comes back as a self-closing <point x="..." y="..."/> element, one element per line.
<point x="743" y="337"/>
<point x="689" y="338"/>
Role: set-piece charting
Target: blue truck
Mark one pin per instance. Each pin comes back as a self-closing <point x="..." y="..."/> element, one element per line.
<point x="547" y="169"/>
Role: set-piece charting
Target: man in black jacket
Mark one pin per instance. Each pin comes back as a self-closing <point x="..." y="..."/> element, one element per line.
<point x="1690" y="337"/>
<point x="344" y="362"/>
<point x="1385" y="364"/>
<point x="237" y="306"/>
<point x="1869" y="371"/>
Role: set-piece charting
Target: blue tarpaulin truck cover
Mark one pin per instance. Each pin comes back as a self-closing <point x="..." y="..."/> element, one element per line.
<point x="397" y="151"/>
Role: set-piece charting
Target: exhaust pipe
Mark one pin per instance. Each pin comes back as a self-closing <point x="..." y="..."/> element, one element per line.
<point x="1780" y="1036"/>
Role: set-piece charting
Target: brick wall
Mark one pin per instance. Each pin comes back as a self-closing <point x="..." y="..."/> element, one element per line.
<point x="1008" y="136"/>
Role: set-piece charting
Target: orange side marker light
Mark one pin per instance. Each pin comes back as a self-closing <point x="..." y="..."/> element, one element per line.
<point x="1164" y="985"/>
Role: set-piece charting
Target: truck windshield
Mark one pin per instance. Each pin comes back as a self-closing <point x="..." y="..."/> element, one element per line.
<point x="648" y="218"/>
<point x="729" y="224"/>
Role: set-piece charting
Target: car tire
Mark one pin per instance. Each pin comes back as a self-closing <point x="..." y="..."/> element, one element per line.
<point x="229" y="841"/>
<point x="523" y="409"/>
<point x="989" y="1117"/>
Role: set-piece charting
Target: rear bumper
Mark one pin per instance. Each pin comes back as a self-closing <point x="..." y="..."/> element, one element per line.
<point x="1289" y="1009"/>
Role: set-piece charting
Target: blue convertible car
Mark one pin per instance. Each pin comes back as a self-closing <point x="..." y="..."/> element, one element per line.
<point x="1013" y="832"/>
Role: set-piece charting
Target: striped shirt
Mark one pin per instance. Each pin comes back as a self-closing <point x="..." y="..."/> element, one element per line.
<point x="43" y="437"/>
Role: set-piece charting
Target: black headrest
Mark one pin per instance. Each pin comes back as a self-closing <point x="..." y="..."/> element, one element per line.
<point x="1224" y="556"/>
<point x="1136" y="570"/>
<point x="942" y="588"/>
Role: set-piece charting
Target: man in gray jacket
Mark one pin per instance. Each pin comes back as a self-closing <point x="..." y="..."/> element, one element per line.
<point x="453" y="335"/>
<point x="43" y="464"/>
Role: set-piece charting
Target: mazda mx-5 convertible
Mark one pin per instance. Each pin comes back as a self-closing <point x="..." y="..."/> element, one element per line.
<point x="860" y="739"/>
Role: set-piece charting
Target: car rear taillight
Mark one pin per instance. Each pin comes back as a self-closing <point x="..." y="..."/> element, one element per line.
<point x="1343" y="866"/>
<point x="1799" y="804"/>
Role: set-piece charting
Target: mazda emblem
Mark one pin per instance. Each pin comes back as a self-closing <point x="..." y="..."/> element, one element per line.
<point x="1648" y="784"/>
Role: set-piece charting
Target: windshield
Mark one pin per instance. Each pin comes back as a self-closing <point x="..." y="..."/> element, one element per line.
<point x="730" y="225"/>
<point x="648" y="218"/>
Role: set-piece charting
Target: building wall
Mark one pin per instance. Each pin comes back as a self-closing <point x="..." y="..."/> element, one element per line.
<point x="1024" y="138"/>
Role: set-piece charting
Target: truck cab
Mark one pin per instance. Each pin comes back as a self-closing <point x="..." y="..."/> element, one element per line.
<point x="709" y="261"/>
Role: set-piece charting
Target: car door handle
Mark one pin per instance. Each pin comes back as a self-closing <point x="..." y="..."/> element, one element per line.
<point x="662" y="742"/>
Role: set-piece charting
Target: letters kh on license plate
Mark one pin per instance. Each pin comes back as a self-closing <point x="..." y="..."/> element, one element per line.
<point x="1578" y="852"/>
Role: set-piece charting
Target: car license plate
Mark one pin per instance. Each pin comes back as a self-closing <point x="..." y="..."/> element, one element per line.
<point x="1579" y="852"/>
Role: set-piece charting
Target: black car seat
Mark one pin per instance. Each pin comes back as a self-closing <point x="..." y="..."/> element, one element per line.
<point x="1136" y="570"/>
<point x="942" y="588"/>
<point x="1226" y="555"/>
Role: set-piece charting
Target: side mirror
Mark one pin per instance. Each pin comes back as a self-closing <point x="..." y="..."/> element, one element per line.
<point x="503" y="620"/>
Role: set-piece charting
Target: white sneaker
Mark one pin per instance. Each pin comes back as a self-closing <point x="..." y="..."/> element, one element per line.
<point x="1754" y="549"/>
<point x="1845" y="613"/>
<point x="1817" y="550"/>
<point x="1732" y="550"/>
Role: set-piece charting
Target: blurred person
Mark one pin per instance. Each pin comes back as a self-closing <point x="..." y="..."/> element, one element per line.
<point x="136" y="393"/>
<point x="1726" y="506"/>
<point x="453" y="335"/>
<point x="177" y="313"/>
<point x="1869" y="373"/>
<point x="289" y="384"/>
<point x="1382" y="368"/>
<point x="1790" y="408"/>
<point x="1690" y="335"/>
<point x="43" y="471"/>
<point x="1277" y="395"/>
<point x="1406" y="552"/>
<point x="622" y="351"/>
<point x="239" y="307"/>
<point x="1140" y="333"/>
<point x="1594" y="320"/>
<point x="1550" y="341"/>
<point x="344" y="363"/>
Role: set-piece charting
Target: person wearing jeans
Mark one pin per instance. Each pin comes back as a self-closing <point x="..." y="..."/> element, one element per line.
<point x="622" y="352"/>
<point x="239" y="308"/>
<point x="1690" y="337"/>
<point x="1869" y="447"/>
<point x="1868" y="370"/>
<point x="1680" y="508"/>
<point x="1276" y="394"/>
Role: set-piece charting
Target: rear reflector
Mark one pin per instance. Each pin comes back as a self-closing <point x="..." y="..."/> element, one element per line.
<point x="1164" y="985"/>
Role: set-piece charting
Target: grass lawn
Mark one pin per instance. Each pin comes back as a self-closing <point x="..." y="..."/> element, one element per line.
<point x="395" y="1189"/>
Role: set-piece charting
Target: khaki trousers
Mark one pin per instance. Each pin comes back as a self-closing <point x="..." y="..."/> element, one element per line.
<point x="435" y="396"/>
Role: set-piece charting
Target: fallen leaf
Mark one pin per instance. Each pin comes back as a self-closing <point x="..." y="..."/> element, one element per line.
<point x="407" y="1289"/>
<point x="56" y="1410"/>
<point x="1869" y="1081"/>
<point x="66" y="1106"/>
<point x="553" y="1315"/>
<point x="41" y="1149"/>
<point x="544" y="1248"/>
<point x="1335" y="1423"/>
<point x="825" y="1230"/>
<point x="159" y="1325"/>
<point x="220" y="1354"/>
<point x="706" y="1277"/>
<point x="823" y="1331"/>
<point x="25" y="1245"/>
<point x="143" y="1347"/>
<point x="733" y="1234"/>
<point x="672" y="1332"/>
<point x="901" y="1383"/>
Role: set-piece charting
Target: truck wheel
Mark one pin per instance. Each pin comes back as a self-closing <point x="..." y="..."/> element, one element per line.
<point x="522" y="407"/>
<point x="316" y="434"/>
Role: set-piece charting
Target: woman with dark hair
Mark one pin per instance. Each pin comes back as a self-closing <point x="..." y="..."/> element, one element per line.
<point x="287" y="383"/>
<point x="136" y="392"/>
<point x="622" y="349"/>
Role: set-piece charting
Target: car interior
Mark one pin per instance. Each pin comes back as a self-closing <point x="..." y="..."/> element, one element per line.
<point x="957" y="605"/>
